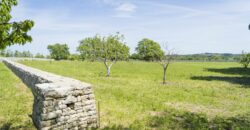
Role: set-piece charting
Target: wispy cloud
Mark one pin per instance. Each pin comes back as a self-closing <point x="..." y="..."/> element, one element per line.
<point x="122" y="9"/>
<point x="125" y="10"/>
<point x="126" y="7"/>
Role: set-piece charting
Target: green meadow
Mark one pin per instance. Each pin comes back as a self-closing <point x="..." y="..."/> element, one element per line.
<point x="15" y="102"/>
<point x="198" y="95"/>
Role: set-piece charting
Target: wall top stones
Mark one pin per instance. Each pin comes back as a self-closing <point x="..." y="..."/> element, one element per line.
<point x="61" y="85"/>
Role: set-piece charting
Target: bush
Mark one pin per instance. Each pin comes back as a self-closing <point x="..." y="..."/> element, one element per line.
<point x="74" y="57"/>
<point x="245" y="59"/>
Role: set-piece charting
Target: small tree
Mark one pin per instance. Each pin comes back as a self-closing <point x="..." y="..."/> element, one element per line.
<point x="109" y="49"/>
<point x="12" y="32"/>
<point x="245" y="59"/>
<point x="167" y="58"/>
<point x="59" y="51"/>
<point x="18" y="54"/>
<point x="3" y="52"/>
<point x="135" y="56"/>
<point x="149" y="50"/>
<point x="27" y="54"/>
<point x="9" y="53"/>
<point x="38" y="55"/>
<point x="73" y="57"/>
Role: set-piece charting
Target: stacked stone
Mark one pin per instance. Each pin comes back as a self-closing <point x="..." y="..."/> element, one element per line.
<point x="74" y="111"/>
<point x="59" y="102"/>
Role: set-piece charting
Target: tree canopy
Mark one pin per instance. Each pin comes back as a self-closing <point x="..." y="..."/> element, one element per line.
<point x="149" y="50"/>
<point x="59" y="51"/>
<point x="110" y="49"/>
<point x="12" y="32"/>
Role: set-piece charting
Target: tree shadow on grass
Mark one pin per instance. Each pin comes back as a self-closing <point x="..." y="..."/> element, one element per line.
<point x="244" y="81"/>
<point x="136" y="125"/>
<point x="243" y="78"/>
<point x="232" y="71"/>
<point x="115" y="127"/>
<point x="173" y="119"/>
<point x="25" y="126"/>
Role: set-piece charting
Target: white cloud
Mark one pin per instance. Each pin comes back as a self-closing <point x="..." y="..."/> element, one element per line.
<point x="122" y="8"/>
<point x="126" y="7"/>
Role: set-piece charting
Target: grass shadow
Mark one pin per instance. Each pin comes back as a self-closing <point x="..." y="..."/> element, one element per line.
<point x="115" y="127"/>
<point x="182" y="120"/>
<point x="5" y="126"/>
<point x="244" y="81"/>
<point x="243" y="77"/>
<point x="231" y="71"/>
<point x="25" y="126"/>
<point x="173" y="119"/>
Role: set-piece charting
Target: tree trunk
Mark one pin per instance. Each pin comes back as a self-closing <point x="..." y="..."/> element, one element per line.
<point x="245" y="65"/>
<point x="165" y="74"/>
<point x="108" y="67"/>
<point x="108" y="71"/>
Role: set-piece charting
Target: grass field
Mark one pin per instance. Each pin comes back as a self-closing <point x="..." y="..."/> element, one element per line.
<point x="214" y="95"/>
<point x="198" y="95"/>
<point x="15" y="102"/>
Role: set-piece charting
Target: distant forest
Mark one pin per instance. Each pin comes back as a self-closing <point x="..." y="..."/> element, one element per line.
<point x="204" y="57"/>
<point x="190" y="57"/>
<point x="209" y="57"/>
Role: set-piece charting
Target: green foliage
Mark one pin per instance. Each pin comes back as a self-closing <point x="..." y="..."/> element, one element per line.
<point x="38" y="55"/>
<point x="74" y="57"/>
<point x="26" y="54"/>
<point x="149" y="50"/>
<point x="2" y="52"/>
<point x="110" y="48"/>
<point x="16" y="53"/>
<point x="209" y="57"/>
<point x="59" y="51"/>
<point x="245" y="59"/>
<point x="9" y="53"/>
<point x="202" y="57"/>
<point x="134" y="56"/>
<point x="91" y="48"/>
<point x="12" y="32"/>
<point x="48" y="57"/>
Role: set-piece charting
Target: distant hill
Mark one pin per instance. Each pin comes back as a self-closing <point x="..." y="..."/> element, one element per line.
<point x="209" y="57"/>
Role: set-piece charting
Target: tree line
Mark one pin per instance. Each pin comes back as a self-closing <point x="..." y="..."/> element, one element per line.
<point x="225" y="57"/>
<point x="16" y="53"/>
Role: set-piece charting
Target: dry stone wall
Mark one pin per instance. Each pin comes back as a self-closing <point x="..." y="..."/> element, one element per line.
<point x="59" y="102"/>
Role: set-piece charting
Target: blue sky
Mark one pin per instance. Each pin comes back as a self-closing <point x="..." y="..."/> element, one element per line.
<point x="187" y="26"/>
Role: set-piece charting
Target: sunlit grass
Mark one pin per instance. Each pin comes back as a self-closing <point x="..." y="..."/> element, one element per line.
<point x="134" y="91"/>
<point x="15" y="102"/>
